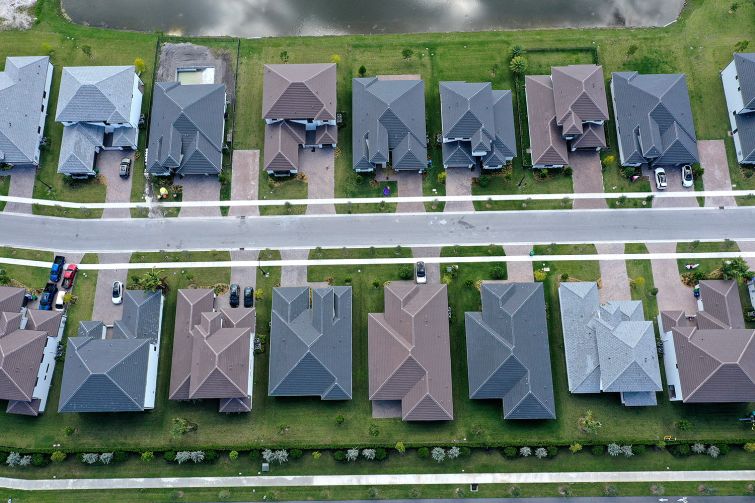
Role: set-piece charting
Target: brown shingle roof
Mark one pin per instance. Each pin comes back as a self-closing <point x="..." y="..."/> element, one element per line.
<point x="282" y="140"/>
<point x="409" y="351"/>
<point x="580" y="94"/>
<point x="299" y="91"/>
<point x="547" y="147"/>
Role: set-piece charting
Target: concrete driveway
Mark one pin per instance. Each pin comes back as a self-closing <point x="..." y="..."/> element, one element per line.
<point x="104" y="310"/>
<point x="409" y="185"/>
<point x="118" y="190"/>
<point x="672" y="293"/>
<point x="245" y="181"/>
<point x="319" y="166"/>
<point x="21" y="185"/>
<point x="459" y="183"/>
<point x="587" y="177"/>
<point x="199" y="188"/>
<point x="432" y="271"/>
<point x="674" y="181"/>
<point x="614" y="280"/>
<point x="519" y="272"/>
<point x="716" y="175"/>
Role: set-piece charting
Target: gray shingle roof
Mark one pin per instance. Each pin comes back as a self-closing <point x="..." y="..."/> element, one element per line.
<point x="141" y="316"/>
<point x="78" y="148"/>
<point x="508" y="356"/>
<point x="310" y="346"/>
<point x="389" y="123"/>
<point x="485" y="118"/>
<point x="746" y="134"/>
<point x="654" y="119"/>
<point x="299" y="91"/>
<point x="186" y="129"/>
<point x="609" y="347"/>
<point x="96" y="94"/>
<point x="23" y="84"/>
<point x="745" y="63"/>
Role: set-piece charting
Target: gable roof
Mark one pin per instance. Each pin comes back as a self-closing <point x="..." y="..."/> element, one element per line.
<point x="579" y="94"/>
<point x="186" y="129"/>
<point x="96" y="94"/>
<point x="310" y="345"/>
<point x="299" y="91"/>
<point x="389" y="123"/>
<point x="23" y="84"/>
<point x="654" y="118"/>
<point x="211" y="351"/>
<point x="547" y="147"/>
<point x="282" y="141"/>
<point x="745" y="64"/>
<point x="409" y="351"/>
<point x="508" y="356"/>
<point x="78" y="148"/>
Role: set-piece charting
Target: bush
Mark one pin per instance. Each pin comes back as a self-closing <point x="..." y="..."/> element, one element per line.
<point x="120" y="456"/>
<point x="39" y="459"/>
<point x="147" y="456"/>
<point x="509" y="452"/>
<point x="627" y="171"/>
<point x="598" y="450"/>
<point x="749" y="447"/>
<point x="339" y="418"/>
<point x="540" y="275"/>
<point x="254" y="455"/>
<point x="483" y="181"/>
<point x="724" y="449"/>
<point x="381" y="454"/>
<point x="465" y="452"/>
<point x="575" y="447"/>
<point x="405" y="272"/>
<point x="210" y="456"/>
<point x="57" y="457"/>
<point x="295" y="454"/>
<point x="169" y="456"/>
<point x="339" y="456"/>
<point x="552" y="451"/>
<point x="681" y="450"/>
<point x="233" y="455"/>
<point x="423" y="452"/>
<point x="497" y="273"/>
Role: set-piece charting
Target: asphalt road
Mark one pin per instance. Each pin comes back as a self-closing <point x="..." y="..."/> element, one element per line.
<point x="379" y="230"/>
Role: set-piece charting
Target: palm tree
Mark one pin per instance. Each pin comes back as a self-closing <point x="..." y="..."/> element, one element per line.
<point x="518" y="65"/>
<point x="153" y="281"/>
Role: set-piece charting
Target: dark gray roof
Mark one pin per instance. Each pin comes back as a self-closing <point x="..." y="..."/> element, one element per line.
<point x="78" y="148"/>
<point x="96" y="94"/>
<point x="746" y="135"/>
<point x="482" y="117"/>
<point x="310" y="345"/>
<point x="654" y="119"/>
<point x="389" y="123"/>
<point x="745" y="63"/>
<point x="508" y="356"/>
<point x="141" y="316"/>
<point x="186" y="129"/>
<point x="22" y="88"/>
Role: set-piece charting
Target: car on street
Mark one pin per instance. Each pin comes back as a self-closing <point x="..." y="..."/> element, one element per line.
<point x="660" y="179"/>
<point x="60" y="300"/>
<point x="48" y="297"/>
<point x="234" y="296"/>
<point x="69" y="276"/>
<point x="248" y="296"/>
<point x="124" y="171"/>
<point x="688" y="179"/>
<point x="56" y="270"/>
<point x="117" y="292"/>
<point x="420" y="274"/>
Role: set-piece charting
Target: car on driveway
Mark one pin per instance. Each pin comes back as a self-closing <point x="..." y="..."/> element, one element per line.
<point x="117" y="293"/>
<point x="124" y="171"/>
<point x="234" y="296"/>
<point x="60" y="301"/>
<point x="248" y="296"/>
<point x="420" y="273"/>
<point x="69" y="276"/>
<point x="688" y="179"/>
<point x="660" y="179"/>
<point x="56" y="270"/>
<point x="48" y="297"/>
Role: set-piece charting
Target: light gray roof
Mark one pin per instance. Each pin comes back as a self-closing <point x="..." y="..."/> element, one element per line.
<point x="22" y="88"/>
<point x="389" y="123"/>
<point x="609" y="347"/>
<point x="310" y="345"/>
<point x="79" y="147"/>
<point x="745" y="64"/>
<point x="483" y="117"/>
<point x="654" y="119"/>
<point x="299" y="91"/>
<point x="508" y="356"/>
<point x="96" y="94"/>
<point x="186" y="129"/>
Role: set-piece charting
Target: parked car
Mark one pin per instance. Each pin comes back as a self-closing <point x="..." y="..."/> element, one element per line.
<point x="56" y="270"/>
<point x="660" y="179"/>
<point x="69" y="276"/>
<point x="117" y="293"/>
<point x="125" y="169"/>
<point x="420" y="274"/>
<point x="60" y="301"/>
<point x="48" y="297"/>
<point x="688" y="179"/>
<point x="249" y="297"/>
<point x="234" y="300"/>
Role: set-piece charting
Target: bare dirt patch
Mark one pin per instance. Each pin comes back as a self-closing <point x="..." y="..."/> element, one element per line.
<point x="185" y="55"/>
<point x="16" y="14"/>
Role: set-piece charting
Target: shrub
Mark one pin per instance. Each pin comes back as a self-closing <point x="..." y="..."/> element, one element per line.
<point x="339" y="418"/>
<point x="598" y="450"/>
<point x="698" y="448"/>
<point x="400" y="447"/>
<point x="362" y="71"/>
<point x="438" y="454"/>
<point x="653" y="292"/>
<point x="749" y="447"/>
<point x="497" y="273"/>
<point x="627" y="171"/>
<point x="106" y="458"/>
<point x="368" y="454"/>
<point x="465" y="452"/>
<point x="681" y="450"/>
<point x="339" y="456"/>
<point x="683" y="425"/>
<point x="565" y="277"/>
<point x="540" y="275"/>
<point x="575" y="447"/>
<point x="254" y="455"/>
<point x="38" y="459"/>
<point x="147" y="456"/>
<point x="381" y="454"/>
<point x="568" y="171"/>
<point x="627" y="451"/>
<point x="58" y="457"/>
<point x="469" y="283"/>
<point x="483" y="181"/>
<point x="441" y="177"/>
<point x="211" y="456"/>
<point x="614" y="449"/>
<point x="120" y="456"/>
<point x="724" y="449"/>
<point x="405" y="272"/>
<point x="552" y="451"/>
<point x="316" y="455"/>
<point x="518" y="65"/>
<point x="423" y="452"/>
<point x="509" y="452"/>
<point x="89" y="458"/>
<point x="233" y="455"/>
<point x="407" y="53"/>
<point x="611" y="490"/>
<point x="224" y="494"/>
<point x="525" y="452"/>
<point x="169" y="456"/>
<point x="374" y="430"/>
<point x="296" y="454"/>
<point x="541" y="453"/>
<point x="588" y="423"/>
<point x="713" y="451"/>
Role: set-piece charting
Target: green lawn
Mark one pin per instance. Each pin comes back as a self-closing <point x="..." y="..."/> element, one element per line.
<point x="4" y="186"/>
<point x="706" y="265"/>
<point x="615" y="181"/>
<point x="519" y="180"/>
<point x="294" y="187"/>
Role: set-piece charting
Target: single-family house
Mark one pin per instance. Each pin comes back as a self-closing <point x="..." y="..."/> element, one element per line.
<point x="478" y="125"/>
<point x="739" y="87"/>
<point x="213" y="353"/>
<point x="654" y="123"/>
<point x="609" y="348"/>
<point x="28" y="346"/>
<point x="186" y="129"/>
<point x="409" y="352"/>
<point x="24" y="95"/>
<point x="310" y="342"/>
<point x="388" y="124"/>
<point x="566" y="111"/>
<point x="710" y="357"/>
<point x="99" y="107"/>
<point x="508" y="356"/>
<point x="114" y="369"/>
<point x="299" y="109"/>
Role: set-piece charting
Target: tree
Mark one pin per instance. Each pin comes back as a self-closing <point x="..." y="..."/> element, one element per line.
<point x="517" y="50"/>
<point x="683" y="425"/>
<point x="541" y="453"/>
<point x="283" y="56"/>
<point x="106" y="458"/>
<point x="614" y="449"/>
<point x="588" y="423"/>
<point x="147" y="456"/>
<point x="454" y="452"/>
<point x="267" y="455"/>
<point x="525" y="452"/>
<point x="140" y="66"/>
<point x="280" y="456"/>
<point x="698" y="448"/>
<point x="438" y="454"/>
<point x="400" y="447"/>
<point x="736" y="269"/>
<point x="518" y="65"/>
<point x="362" y="71"/>
<point x="352" y="454"/>
<point x="58" y="456"/>
<point x="368" y="454"/>
<point x="407" y="53"/>
<point x="181" y="426"/>
<point x="575" y="448"/>
<point x="4" y="278"/>
<point x="233" y="455"/>
<point x="182" y="457"/>
<point x="152" y="281"/>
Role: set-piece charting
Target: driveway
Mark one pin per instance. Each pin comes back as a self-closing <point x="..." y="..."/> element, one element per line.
<point x="672" y="293"/>
<point x="459" y="183"/>
<point x="587" y="177"/>
<point x="199" y="188"/>
<point x="245" y="181"/>
<point x="294" y="275"/>
<point x="614" y="280"/>
<point x="409" y="185"/>
<point x="319" y="167"/>
<point x="118" y="190"/>
<point x="716" y="175"/>
<point x="21" y="185"/>
<point x="431" y="270"/>
<point x="519" y="272"/>
<point x="104" y="310"/>
<point x="674" y="181"/>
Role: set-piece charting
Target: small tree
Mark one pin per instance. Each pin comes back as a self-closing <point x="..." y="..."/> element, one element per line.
<point x="736" y="269"/>
<point x="518" y="65"/>
<point x="407" y="54"/>
<point x="24" y="461"/>
<point x="400" y="447"/>
<point x="340" y="419"/>
<point x="139" y="66"/>
<point x="368" y="454"/>
<point x="106" y="458"/>
<point x="453" y="452"/>
<point x="87" y="50"/>
<point x="698" y="448"/>
<point x="714" y="451"/>
<point x="4" y="278"/>
<point x="517" y="50"/>
<point x="283" y="56"/>
<point x="423" y="453"/>
<point x="147" y="456"/>
<point x="405" y="272"/>
<point x="58" y="456"/>
<point x="575" y="448"/>
<point x="362" y="71"/>
<point x="352" y="454"/>
<point x="588" y="423"/>
<point x="233" y="455"/>
<point x="152" y="281"/>
<point x="498" y="273"/>
<point x="614" y="449"/>
<point x="525" y="452"/>
<point x="438" y="454"/>
<point x="541" y="453"/>
<point x="683" y="425"/>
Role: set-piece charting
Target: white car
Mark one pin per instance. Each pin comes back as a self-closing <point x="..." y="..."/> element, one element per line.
<point x="660" y="179"/>
<point x="420" y="273"/>
<point x="60" y="301"/>
<point x="688" y="179"/>
<point x="117" y="292"/>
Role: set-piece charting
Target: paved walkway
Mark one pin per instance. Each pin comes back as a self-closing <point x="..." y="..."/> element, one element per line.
<point x="104" y="310"/>
<point x="587" y="176"/>
<point x="459" y="183"/>
<point x="319" y="166"/>
<point x="199" y="188"/>
<point x="381" y="480"/>
<point x="118" y="190"/>
<point x="672" y="293"/>
<point x="519" y="272"/>
<point x="245" y="179"/>
<point x="716" y="175"/>
<point x="614" y="279"/>
<point x="21" y="185"/>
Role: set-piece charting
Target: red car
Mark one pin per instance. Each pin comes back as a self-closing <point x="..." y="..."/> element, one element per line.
<point x="69" y="276"/>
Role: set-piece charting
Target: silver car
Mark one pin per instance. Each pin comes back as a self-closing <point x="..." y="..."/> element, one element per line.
<point x="688" y="179"/>
<point x="117" y="292"/>
<point x="660" y="179"/>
